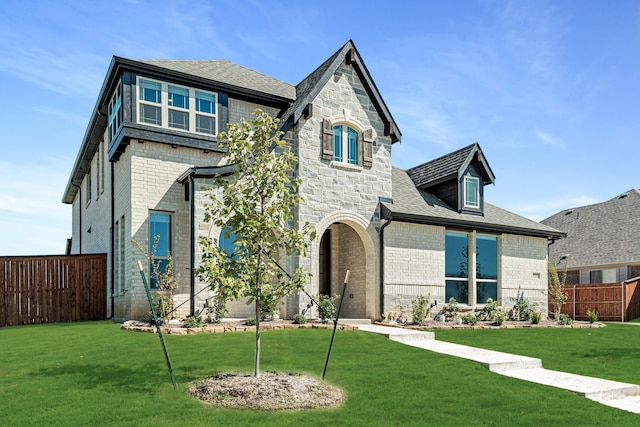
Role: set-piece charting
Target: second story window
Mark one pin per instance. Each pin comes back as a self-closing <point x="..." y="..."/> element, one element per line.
<point x="151" y="102"/>
<point x="345" y="144"/>
<point x="176" y="107"/>
<point x="115" y="112"/>
<point x="471" y="192"/>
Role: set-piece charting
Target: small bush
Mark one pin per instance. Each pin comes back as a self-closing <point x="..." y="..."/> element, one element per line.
<point x="451" y="309"/>
<point x="487" y="312"/>
<point x="299" y="319"/>
<point x="250" y="321"/>
<point x="499" y="316"/>
<point x="535" y="317"/>
<point x="327" y="307"/>
<point x="470" y="319"/>
<point x="592" y="315"/>
<point x="522" y="309"/>
<point x="420" y="309"/>
<point x="564" y="319"/>
<point x="193" y="322"/>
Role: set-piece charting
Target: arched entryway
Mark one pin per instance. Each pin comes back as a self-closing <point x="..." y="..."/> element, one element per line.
<point x="347" y="244"/>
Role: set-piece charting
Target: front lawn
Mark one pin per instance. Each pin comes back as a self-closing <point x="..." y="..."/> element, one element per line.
<point x="93" y="373"/>
<point x="610" y="352"/>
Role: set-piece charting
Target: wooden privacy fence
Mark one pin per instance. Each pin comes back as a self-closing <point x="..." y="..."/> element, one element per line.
<point x="612" y="301"/>
<point x="49" y="289"/>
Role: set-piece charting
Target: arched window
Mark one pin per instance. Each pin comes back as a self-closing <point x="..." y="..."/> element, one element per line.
<point x="345" y="144"/>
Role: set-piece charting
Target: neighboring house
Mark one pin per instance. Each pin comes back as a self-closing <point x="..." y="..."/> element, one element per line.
<point x="150" y="152"/>
<point x="601" y="243"/>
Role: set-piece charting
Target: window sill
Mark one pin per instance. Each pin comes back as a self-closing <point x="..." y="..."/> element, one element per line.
<point x="347" y="166"/>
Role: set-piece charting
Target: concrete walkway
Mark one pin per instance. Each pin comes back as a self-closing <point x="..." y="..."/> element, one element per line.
<point x="612" y="393"/>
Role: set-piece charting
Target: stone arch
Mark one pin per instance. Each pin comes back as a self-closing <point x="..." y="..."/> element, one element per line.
<point x="358" y="234"/>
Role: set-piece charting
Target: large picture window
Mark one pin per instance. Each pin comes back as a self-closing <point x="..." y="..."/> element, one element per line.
<point x="159" y="243"/>
<point x="177" y="107"/>
<point x="461" y="281"/>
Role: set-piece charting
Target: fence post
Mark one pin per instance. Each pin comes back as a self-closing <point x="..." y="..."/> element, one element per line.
<point x="623" y="299"/>
<point x="574" y="302"/>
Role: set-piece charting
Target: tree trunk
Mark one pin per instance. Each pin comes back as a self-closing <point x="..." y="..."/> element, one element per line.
<point x="257" y="361"/>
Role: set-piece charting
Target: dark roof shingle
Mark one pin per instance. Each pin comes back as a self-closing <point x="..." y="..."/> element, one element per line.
<point x="600" y="234"/>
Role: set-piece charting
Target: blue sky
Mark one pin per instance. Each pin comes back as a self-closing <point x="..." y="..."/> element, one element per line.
<point x="550" y="89"/>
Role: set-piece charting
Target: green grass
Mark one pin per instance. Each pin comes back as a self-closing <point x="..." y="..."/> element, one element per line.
<point x="93" y="373"/>
<point x="608" y="352"/>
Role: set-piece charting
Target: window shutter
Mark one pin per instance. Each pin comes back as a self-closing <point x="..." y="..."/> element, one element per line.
<point x="327" y="140"/>
<point x="367" y="148"/>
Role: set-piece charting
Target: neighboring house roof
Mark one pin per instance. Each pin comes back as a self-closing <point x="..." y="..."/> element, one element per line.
<point x="450" y="166"/>
<point x="229" y="74"/>
<point x="601" y="234"/>
<point x="414" y="205"/>
<point x="310" y="86"/>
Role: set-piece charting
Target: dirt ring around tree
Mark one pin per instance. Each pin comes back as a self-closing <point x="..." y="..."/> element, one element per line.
<point x="271" y="391"/>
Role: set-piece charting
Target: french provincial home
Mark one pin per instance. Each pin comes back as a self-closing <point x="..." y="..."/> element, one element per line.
<point x="150" y="153"/>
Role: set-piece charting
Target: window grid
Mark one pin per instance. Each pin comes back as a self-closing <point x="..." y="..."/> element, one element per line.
<point x="471" y="192"/>
<point x="180" y="107"/>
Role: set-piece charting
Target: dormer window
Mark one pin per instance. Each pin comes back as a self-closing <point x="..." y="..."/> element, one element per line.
<point x="471" y="192"/>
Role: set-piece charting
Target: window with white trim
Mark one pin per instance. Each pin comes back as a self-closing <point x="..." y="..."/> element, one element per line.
<point x="471" y="192"/>
<point x="345" y="144"/>
<point x="177" y="107"/>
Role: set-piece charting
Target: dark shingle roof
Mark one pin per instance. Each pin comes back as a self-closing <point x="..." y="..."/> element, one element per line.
<point x="600" y="234"/>
<point x="227" y="72"/>
<point x="415" y="205"/>
<point x="447" y="167"/>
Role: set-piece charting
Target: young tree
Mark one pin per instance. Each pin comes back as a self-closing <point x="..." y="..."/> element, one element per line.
<point x="256" y="205"/>
<point x="557" y="295"/>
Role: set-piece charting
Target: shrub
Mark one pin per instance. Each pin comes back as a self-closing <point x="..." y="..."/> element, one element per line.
<point x="250" y="321"/>
<point x="592" y="315"/>
<point x="522" y="309"/>
<point x="487" y="312"/>
<point x="216" y="308"/>
<point x="535" y="317"/>
<point x="299" y="319"/>
<point x="327" y="307"/>
<point x="499" y="316"/>
<point x="269" y="309"/>
<point x="193" y="322"/>
<point x="564" y="319"/>
<point x="451" y="309"/>
<point x="420" y="309"/>
<point x="470" y="319"/>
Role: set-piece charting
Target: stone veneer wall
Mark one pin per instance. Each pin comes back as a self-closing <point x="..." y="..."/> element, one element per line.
<point x="333" y="193"/>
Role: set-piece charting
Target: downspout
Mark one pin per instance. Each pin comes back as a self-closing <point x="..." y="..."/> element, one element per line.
<point x="389" y="219"/>
<point x="113" y="245"/>
<point x="192" y="280"/>
<point x="79" y="218"/>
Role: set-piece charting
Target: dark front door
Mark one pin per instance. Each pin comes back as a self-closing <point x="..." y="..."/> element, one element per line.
<point x="325" y="264"/>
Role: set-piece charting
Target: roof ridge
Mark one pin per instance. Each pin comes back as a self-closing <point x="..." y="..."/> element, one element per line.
<point x="445" y="156"/>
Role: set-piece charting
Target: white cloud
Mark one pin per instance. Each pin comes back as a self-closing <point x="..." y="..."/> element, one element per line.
<point x="547" y="139"/>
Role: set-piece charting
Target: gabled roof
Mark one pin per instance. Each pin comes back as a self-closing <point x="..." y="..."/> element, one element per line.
<point x="310" y="86"/>
<point x="411" y="204"/>
<point x="229" y="74"/>
<point x="451" y="166"/>
<point x="600" y="234"/>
